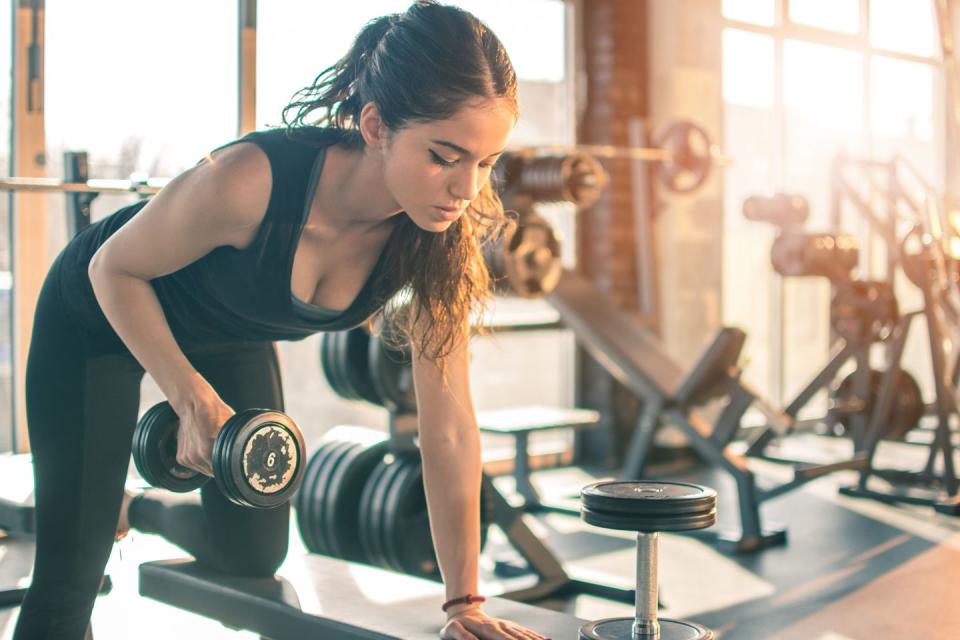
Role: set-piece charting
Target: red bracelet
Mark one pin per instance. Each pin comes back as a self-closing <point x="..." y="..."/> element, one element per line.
<point x="467" y="599"/>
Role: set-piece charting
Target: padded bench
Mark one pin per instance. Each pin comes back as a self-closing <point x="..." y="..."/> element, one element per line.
<point x="315" y="596"/>
<point x="519" y="422"/>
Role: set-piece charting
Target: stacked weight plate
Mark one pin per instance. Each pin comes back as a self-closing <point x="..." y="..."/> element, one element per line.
<point x="328" y="500"/>
<point x="394" y="524"/>
<point x="360" y="367"/>
<point x="648" y="507"/>
<point x="362" y="503"/>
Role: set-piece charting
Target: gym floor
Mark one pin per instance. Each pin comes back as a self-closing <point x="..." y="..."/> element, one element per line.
<point x="852" y="569"/>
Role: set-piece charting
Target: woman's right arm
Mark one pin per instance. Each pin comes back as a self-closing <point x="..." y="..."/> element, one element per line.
<point x="219" y="202"/>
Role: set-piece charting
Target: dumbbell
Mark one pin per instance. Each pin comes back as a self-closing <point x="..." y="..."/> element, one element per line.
<point x="257" y="456"/>
<point x="647" y="508"/>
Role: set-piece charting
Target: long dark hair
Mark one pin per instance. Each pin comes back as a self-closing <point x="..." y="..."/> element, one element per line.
<point x="418" y="66"/>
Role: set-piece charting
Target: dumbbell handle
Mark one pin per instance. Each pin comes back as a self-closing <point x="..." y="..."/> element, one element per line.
<point x="645" y="624"/>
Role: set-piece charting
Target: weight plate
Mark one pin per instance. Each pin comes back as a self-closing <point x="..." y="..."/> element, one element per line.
<point x="324" y="494"/>
<point x="368" y="528"/>
<point x="358" y="371"/>
<point x="378" y="513"/>
<point x="155" y="451"/>
<point x="906" y="408"/>
<point x="258" y="458"/>
<point x="531" y="257"/>
<point x="409" y="538"/>
<point x="365" y="514"/>
<point x="343" y="508"/>
<point x="343" y="367"/>
<point x="328" y="346"/>
<point x="401" y="492"/>
<point x="639" y="497"/>
<point x="622" y="629"/>
<point x="688" y="160"/>
<point x="391" y="373"/>
<point x="648" y="523"/>
<point x="303" y="502"/>
<point x="318" y="496"/>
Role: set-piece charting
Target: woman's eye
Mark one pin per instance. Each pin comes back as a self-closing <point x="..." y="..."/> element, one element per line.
<point x="437" y="158"/>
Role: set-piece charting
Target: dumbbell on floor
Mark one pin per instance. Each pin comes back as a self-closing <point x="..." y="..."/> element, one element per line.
<point x="256" y="457"/>
<point x="647" y="508"/>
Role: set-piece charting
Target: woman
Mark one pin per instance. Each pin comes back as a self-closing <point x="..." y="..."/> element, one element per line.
<point x="276" y="236"/>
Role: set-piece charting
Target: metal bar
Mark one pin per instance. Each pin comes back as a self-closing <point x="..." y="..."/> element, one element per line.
<point x="150" y="187"/>
<point x="645" y="625"/>
<point x="647" y="154"/>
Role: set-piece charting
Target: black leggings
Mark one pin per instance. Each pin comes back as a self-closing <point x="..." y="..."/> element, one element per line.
<point x="82" y="407"/>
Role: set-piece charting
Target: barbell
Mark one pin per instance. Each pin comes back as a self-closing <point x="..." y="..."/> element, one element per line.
<point x="683" y="151"/>
<point x="139" y="187"/>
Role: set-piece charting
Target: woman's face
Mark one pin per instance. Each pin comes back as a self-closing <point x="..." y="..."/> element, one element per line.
<point x="435" y="169"/>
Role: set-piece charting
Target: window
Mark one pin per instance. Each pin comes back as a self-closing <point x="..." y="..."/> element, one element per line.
<point x="830" y="76"/>
<point x="762" y="12"/>
<point x="834" y="15"/>
<point x="907" y="26"/>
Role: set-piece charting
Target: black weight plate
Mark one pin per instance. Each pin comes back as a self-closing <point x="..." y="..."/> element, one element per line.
<point x="318" y="495"/>
<point x="259" y="458"/>
<point x="325" y="346"/>
<point x="358" y="369"/>
<point x="226" y="469"/>
<point x="906" y="408"/>
<point x="648" y="523"/>
<point x="404" y="486"/>
<point x="378" y="508"/>
<point x="391" y="373"/>
<point x="366" y="526"/>
<point x="303" y="501"/>
<point x="155" y="451"/>
<point x="622" y="629"/>
<point x="324" y="495"/>
<point x="411" y="543"/>
<point x="343" y="367"/>
<point x="343" y="508"/>
<point x="639" y="497"/>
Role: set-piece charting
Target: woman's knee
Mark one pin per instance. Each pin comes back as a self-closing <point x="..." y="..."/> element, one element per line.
<point x="254" y="559"/>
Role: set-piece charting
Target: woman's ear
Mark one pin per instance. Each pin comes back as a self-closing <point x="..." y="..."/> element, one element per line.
<point x="372" y="129"/>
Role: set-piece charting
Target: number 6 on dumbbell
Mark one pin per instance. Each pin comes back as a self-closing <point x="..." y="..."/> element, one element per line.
<point x="256" y="456"/>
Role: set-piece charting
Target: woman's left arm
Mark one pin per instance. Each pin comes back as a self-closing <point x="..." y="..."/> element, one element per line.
<point x="450" y="450"/>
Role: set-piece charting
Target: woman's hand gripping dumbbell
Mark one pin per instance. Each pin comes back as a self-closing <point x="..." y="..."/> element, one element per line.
<point x="256" y="457"/>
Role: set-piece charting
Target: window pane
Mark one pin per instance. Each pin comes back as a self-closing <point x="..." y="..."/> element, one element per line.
<point x="835" y="15"/>
<point x="904" y="25"/>
<point x="6" y="352"/>
<point x="153" y="99"/>
<point x="747" y="68"/>
<point x="531" y="30"/>
<point x="823" y="87"/>
<point x="760" y="12"/>
<point x="294" y="44"/>
<point x="749" y="135"/>
<point x="823" y="95"/>
<point x="901" y="102"/>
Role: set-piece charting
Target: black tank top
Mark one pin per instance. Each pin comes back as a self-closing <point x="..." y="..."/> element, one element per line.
<point x="232" y="294"/>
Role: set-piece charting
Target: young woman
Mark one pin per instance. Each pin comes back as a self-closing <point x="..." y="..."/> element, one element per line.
<point x="276" y="236"/>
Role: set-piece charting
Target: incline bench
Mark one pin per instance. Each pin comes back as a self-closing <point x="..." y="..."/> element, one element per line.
<point x="315" y="596"/>
<point x="635" y="357"/>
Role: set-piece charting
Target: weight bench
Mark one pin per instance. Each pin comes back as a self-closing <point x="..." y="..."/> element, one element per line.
<point x="319" y="597"/>
<point x="520" y="422"/>
<point x="635" y="357"/>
